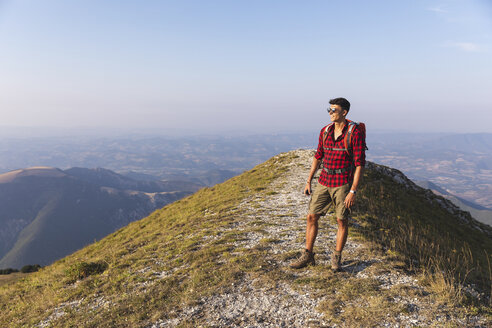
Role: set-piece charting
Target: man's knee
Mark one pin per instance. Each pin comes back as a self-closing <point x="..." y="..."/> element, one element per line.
<point x="343" y="222"/>
<point x="312" y="218"/>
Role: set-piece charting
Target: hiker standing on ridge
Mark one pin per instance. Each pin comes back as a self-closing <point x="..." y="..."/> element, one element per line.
<point x="342" y="148"/>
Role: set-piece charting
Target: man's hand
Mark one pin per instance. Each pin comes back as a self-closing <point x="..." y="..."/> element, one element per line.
<point x="314" y="168"/>
<point x="349" y="200"/>
<point x="307" y="189"/>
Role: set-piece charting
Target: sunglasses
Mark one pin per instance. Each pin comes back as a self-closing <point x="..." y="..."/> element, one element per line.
<point x="331" y="110"/>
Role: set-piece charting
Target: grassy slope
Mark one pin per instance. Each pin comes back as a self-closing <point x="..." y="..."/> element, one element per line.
<point x="172" y="236"/>
<point x="174" y="240"/>
<point x="8" y="278"/>
<point x="404" y="221"/>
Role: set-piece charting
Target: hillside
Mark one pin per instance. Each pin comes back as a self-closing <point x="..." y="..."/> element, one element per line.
<point x="47" y="213"/>
<point x="220" y="258"/>
<point x="478" y="212"/>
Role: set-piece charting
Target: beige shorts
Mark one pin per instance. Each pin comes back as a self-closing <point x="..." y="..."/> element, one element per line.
<point x="323" y="197"/>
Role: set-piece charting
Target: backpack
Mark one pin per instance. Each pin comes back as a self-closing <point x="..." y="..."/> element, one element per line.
<point x="347" y="141"/>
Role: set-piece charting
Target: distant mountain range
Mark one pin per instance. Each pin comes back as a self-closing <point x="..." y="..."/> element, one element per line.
<point x="108" y="178"/>
<point x="47" y="213"/>
<point x="460" y="163"/>
<point x="169" y="158"/>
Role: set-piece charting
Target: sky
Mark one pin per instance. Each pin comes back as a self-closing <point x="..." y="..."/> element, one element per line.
<point x="245" y="66"/>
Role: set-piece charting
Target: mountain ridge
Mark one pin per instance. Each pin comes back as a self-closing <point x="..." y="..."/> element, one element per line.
<point x="220" y="258"/>
<point x="44" y="171"/>
<point x="107" y="178"/>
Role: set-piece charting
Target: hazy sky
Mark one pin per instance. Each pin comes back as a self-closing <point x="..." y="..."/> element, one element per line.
<point x="259" y="66"/>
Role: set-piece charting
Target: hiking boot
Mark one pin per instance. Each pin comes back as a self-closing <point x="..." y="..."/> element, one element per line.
<point x="307" y="258"/>
<point x="336" y="260"/>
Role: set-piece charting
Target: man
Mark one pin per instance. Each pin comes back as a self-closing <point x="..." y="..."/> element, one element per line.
<point x="338" y="182"/>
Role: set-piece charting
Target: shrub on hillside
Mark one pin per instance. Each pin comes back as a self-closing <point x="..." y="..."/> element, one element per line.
<point x="82" y="270"/>
<point x="8" y="271"/>
<point x="30" y="268"/>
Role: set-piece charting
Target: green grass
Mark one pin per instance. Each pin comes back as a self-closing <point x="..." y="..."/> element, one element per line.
<point x="82" y="270"/>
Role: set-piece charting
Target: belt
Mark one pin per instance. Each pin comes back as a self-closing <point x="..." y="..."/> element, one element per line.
<point x="337" y="171"/>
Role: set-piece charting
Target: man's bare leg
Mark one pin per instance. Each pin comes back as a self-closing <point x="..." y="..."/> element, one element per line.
<point x="307" y="257"/>
<point x="311" y="230"/>
<point x="341" y="234"/>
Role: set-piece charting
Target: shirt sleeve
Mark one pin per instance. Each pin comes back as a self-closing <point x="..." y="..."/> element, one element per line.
<point x="359" y="148"/>
<point x="320" y="152"/>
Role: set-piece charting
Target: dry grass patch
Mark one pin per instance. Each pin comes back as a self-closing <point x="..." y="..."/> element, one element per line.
<point x="411" y="226"/>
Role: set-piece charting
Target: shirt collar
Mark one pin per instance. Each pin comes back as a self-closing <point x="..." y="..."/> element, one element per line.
<point x="331" y="128"/>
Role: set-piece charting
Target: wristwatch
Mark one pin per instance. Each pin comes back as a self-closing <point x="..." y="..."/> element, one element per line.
<point x="353" y="191"/>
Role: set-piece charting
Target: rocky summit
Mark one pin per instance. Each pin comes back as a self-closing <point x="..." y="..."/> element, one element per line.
<point x="219" y="258"/>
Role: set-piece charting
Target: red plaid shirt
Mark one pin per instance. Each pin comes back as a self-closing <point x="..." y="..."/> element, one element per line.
<point x="333" y="159"/>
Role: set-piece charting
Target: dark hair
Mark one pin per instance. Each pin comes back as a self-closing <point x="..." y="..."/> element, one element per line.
<point x="342" y="102"/>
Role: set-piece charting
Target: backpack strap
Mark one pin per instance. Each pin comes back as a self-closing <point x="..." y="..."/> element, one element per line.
<point x="325" y="134"/>
<point x="348" y="137"/>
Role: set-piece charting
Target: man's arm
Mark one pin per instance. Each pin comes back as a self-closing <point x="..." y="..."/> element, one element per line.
<point x="350" y="199"/>
<point x="312" y="172"/>
<point x="359" y="157"/>
<point x="318" y="156"/>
